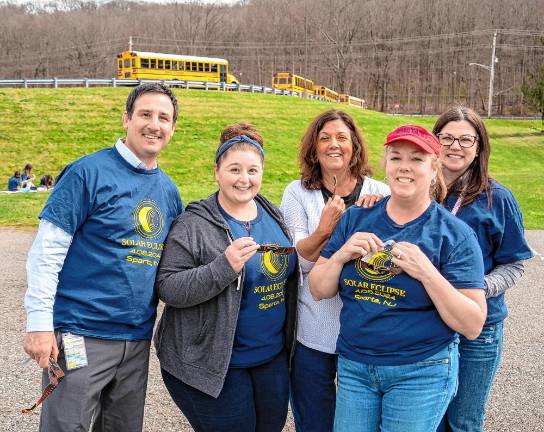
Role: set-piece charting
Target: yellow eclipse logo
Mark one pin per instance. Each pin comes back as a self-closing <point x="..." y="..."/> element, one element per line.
<point x="274" y="266"/>
<point x="381" y="260"/>
<point x="147" y="219"/>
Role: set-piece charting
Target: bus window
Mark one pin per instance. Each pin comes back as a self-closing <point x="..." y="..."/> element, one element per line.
<point x="206" y="67"/>
<point x="133" y="62"/>
<point x="214" y="68"/>
<point x="145" y="63"/>
<point x="174" y="65"/>
<point x="200" y="67"/>
<point x="167" y="64"/>
<point x="127" y="62"/>
<point x="181" y="66"/>
<point x="120" y="64"/>
<point x="161" y="64"/>
<point x="153" y="64"/>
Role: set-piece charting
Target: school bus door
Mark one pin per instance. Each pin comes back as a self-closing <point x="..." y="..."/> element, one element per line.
<point x="222" y="73"/>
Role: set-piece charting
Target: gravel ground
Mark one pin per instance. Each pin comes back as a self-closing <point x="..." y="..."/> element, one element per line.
<point x="516" y="402"/>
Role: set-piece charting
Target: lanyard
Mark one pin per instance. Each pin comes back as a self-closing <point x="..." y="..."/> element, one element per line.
<point x="457" y="205"/>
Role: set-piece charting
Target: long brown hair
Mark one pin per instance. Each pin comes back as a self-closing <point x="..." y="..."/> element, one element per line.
<point x="310" y="169"/>
<point x="476" y="177"/>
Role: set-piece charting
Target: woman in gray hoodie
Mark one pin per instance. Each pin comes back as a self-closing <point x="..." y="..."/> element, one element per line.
<point x="229" y="279"/>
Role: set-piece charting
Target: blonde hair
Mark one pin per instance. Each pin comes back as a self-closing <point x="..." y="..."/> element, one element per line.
<point x="438" y="189"/>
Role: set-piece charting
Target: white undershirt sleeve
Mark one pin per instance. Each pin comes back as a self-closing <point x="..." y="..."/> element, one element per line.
<point x="45" y="260"/>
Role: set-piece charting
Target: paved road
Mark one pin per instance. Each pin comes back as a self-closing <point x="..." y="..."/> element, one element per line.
<point x="516" y="403"/>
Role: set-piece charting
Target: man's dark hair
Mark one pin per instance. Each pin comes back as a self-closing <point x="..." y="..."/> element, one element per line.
<point x="151" y="88"/>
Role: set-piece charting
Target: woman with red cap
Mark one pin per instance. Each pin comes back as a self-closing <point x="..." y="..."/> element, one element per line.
<point x="410" y="277"/>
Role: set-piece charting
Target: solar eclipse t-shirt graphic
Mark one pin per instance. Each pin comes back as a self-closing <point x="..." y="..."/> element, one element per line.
<point x="148" y="219"/>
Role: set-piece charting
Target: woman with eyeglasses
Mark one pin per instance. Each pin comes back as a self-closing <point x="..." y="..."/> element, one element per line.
<point x="492" y="212"/>
<point x="228" y="276"/>
<point x="410" y="277"/>
<point x="333" y="158"/>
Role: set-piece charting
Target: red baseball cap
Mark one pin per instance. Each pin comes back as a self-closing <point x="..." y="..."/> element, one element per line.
<point x="417" y="135"/>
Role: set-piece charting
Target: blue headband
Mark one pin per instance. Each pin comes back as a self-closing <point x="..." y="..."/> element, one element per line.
<point x="237" y="139"/>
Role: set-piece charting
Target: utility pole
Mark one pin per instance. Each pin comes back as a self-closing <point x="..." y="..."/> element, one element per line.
<point x="491" y="70"/>
<point x="491" y="77"/>
<point x="130" y="43"/>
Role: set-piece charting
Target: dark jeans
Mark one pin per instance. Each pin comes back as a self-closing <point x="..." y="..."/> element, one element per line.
<point x="313" y="389"/>
<point x="252" y="399"/>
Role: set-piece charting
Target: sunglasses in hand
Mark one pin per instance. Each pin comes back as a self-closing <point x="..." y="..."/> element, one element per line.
<point x="393" y="269"/>
<point x="381" y="261"/>
<point x="278" y="250"/>
<point x="56" y="375"/>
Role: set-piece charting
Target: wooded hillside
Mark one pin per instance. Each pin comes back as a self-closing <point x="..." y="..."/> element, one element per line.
<point x="409" y="56"/>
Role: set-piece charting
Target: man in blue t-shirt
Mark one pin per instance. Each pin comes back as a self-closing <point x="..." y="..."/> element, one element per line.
<point x="90" y="302"/>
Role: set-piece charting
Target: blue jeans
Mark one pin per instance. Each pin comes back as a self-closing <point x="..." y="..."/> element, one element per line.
<point x="252" y="399"/>
<point x="407" y="398"/>
<point x="313" y="389"/>
<point x="478" y="364"/>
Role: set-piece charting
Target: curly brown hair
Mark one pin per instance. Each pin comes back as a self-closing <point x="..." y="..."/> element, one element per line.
<point x="310" y="169"/>
<point x="237" y="129"/>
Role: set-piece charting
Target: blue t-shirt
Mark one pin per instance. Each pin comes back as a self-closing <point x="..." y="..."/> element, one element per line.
<point x="500" y="233"/>
<point x="119" y="217"/>
<point x="387" y="318"/>
<point x="259" y="331"/>
<point x="13" y="184"/>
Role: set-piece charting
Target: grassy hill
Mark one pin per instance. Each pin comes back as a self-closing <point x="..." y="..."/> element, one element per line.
<point x="51" y="127"/>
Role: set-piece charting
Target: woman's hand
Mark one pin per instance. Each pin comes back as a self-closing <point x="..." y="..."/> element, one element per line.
<point x="358" y="245"/>
<point x="331" y="214"/>
<point x="411" y="259"/>
<point x="369" y="200"/>
<point x="240" y="251"/>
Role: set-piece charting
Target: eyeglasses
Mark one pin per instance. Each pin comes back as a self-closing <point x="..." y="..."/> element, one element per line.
<point x="465" y="141"/>
<point x="56" y="375"/>
<point x="278" y="250"/>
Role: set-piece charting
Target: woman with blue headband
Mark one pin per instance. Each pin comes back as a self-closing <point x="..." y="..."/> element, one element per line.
<point x="228" y="276"/>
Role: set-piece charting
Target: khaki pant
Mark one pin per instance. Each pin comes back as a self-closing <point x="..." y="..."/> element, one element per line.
<point x="108" y="395"/>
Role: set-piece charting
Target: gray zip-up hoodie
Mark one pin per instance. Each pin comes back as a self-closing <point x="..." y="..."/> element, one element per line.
<point x="202" y="293"/>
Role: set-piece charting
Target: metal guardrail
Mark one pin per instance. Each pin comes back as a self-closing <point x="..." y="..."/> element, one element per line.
<point x="483" y="116"/>
<point x="114" y="82"/>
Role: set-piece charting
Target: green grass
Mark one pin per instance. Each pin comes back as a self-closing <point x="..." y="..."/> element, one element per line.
<point x="51" y="127"/>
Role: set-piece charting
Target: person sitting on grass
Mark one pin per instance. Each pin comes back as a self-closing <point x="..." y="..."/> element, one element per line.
<point x="14" y="183"/>
<point x="27" y="177"/>
<point x="46" y="182"/>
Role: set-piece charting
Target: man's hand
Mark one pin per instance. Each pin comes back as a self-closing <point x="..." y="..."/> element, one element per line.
<point x="40" y="346"/>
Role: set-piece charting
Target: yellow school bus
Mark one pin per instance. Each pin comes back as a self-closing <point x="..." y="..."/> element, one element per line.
<point x="133" y="65"/>
<point x="352" y="100"/>
<point x="292" y="82"/>
<point x="326" y="93"/>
